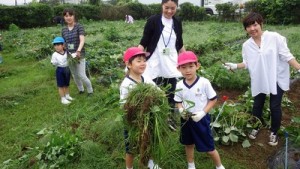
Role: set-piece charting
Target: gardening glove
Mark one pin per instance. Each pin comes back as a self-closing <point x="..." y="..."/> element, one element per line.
<point x="73" y="55"/>
<point x="183" y="113"/>
<point x="197" y="116"/>
<point x="230" y="66"/>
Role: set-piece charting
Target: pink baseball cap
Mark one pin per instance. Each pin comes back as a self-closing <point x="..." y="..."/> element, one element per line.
<point x="186" y="57"/>
<point x="133" y="51"/>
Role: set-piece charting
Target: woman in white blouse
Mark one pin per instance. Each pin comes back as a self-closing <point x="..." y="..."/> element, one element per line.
<point x="268" y="59"/>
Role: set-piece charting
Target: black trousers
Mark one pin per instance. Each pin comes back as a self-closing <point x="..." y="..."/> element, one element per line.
<point x="170" y="85"/>
<point x="275" y="108"/>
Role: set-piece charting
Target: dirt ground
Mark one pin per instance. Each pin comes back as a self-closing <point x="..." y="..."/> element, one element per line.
<point x="260" y="152"/>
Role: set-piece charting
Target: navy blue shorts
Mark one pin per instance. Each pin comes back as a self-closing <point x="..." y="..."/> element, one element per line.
<point x="197" y="133"/>
<point x="126" y="141"/>
<point x="63" y="76"/>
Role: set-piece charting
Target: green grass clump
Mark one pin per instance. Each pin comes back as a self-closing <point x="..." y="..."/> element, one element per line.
<point x="146" y="113"/>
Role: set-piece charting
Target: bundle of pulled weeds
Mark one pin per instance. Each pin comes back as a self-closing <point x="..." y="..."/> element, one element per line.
<point x="146" y="113"/>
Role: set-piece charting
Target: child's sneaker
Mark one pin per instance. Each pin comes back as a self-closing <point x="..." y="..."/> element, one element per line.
<point x="155" y="167"/>
<point x="253" y="134"/>
<point x="273" y="139"/>
<point x="65" y="101"/>
<point x="69" y="98"/>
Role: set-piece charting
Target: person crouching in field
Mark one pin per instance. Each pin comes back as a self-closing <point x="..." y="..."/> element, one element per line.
<point x="195" y="120"/>
<point x="135" y="60"/>
<point x="59" y="59"/>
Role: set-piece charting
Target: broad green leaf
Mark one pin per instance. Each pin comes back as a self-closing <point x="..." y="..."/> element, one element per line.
<point x="7" y="161"/>
<point x="216" y="124"/>
<point x="39" y="156"/>
<point x="225" y="139"/>
<point x="227" y="130"/>
<point x="233" y="137"/>
<point x="246" y="144"/>
<point x="42" y="132"/>
<point x="216" y="138"/>
<point x="118" y="118"/>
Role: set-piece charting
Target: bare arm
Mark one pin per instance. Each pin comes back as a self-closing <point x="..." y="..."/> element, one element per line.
<point x="141" y="47"/>
<point x="81" y="43"/>
<point x="182" y="49"/>
<point x="294" y="64"/>
<point x="210" y="105"/>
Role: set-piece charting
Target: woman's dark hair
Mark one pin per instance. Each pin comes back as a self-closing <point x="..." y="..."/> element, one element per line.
<point x="165" y="1"/>
<point x="251" y="18"/>
<point x="70" y="11"/>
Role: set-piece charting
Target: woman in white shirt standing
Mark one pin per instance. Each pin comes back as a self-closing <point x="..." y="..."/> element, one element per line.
<point x="268" y="59"/>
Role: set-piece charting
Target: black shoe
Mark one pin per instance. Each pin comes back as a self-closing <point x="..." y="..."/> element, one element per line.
<point x="80" y="92"/>
<point x="90" y="94"/>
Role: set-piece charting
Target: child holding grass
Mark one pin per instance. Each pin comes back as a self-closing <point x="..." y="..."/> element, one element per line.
<point x="194" y="98"/>
<point x="135" y="60"/>
<point x="59" y="59"/>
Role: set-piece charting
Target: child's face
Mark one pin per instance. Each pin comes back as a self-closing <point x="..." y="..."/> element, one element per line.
<point x="59" y="47"/>
<point x="189" y="70"/>
<point x="69" y="19"/>
<point x="137" y="66"/>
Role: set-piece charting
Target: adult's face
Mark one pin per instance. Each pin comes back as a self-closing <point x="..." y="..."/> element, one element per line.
<point x="169" y="9"/>
<point x="254" y="30"/>
<point x="69" y="19"/>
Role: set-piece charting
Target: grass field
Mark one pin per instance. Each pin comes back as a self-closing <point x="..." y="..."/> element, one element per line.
<point x="31" y="113"/>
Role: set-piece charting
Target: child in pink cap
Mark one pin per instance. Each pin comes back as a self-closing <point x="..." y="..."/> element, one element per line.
<point x="135" y="60"/>
<point x="194" y="98"/>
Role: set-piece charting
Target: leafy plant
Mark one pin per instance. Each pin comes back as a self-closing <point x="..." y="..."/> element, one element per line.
<point x="61" y="149"/>
<point x="146" y="112"/>
<point x="232" y="125"/>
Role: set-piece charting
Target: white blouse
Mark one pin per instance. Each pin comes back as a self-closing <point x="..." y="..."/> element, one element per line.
<point x="267" y="64"/>
<point x="164" y="65"/>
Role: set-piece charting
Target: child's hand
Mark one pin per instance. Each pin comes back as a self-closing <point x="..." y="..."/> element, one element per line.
<point x="183" y="113"/>
<point x="197" y="116"/>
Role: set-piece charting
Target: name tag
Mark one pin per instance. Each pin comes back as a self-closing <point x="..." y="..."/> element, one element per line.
<point x="166" y="51"/>
<point x="71" y="46"/>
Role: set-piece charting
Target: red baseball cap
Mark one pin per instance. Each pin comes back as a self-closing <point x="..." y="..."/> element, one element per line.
<point x="186" y="57"/>
<point x="133" y="51"/>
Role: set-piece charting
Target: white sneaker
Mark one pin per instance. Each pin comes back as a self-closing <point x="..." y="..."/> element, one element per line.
<point x="156" y="167"/>
<point x="69" y="98"/>
<point x="253" y="134"/>
<point x="273" y="139"/>
<point x="65" y="101"/>
<point x="220" y="167"/>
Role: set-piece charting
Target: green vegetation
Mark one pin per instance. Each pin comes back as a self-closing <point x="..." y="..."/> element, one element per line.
<point x="37" y="131"/>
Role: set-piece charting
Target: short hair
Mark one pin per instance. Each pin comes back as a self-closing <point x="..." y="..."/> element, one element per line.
<point x="251" y="18"/>
<point x="70" y="11"/>
<point x="165" y="1"/>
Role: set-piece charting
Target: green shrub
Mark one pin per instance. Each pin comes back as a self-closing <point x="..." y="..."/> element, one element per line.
<point x="190" y="12"/>
<point x="226" y="11"/>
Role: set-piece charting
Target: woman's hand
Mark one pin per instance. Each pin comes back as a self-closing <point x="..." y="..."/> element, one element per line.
<point x="78" y="54"/>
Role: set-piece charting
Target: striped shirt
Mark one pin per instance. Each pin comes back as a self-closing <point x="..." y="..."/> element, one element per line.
<point x="72" y="38"/>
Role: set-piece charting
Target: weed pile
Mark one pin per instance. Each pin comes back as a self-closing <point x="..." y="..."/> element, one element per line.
<point x="146" y="113"/>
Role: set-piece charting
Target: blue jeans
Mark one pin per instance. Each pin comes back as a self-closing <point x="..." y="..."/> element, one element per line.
<point x="275" y="107"/>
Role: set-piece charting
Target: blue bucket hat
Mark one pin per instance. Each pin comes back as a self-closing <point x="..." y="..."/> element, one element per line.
<point x="58" y="40"/>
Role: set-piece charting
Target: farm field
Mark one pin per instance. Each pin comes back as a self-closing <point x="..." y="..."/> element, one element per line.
<point x="88" y="133"/>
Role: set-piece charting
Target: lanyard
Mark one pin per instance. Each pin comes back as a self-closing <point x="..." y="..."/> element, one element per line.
<point x="164" y="37"/>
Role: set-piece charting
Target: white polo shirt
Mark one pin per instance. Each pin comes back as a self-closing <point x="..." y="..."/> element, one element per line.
<point x="196" y="96"/>
<point x="128" y="83"/>
<point x="59" y="60"/>
<point x="267" y="65"/>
